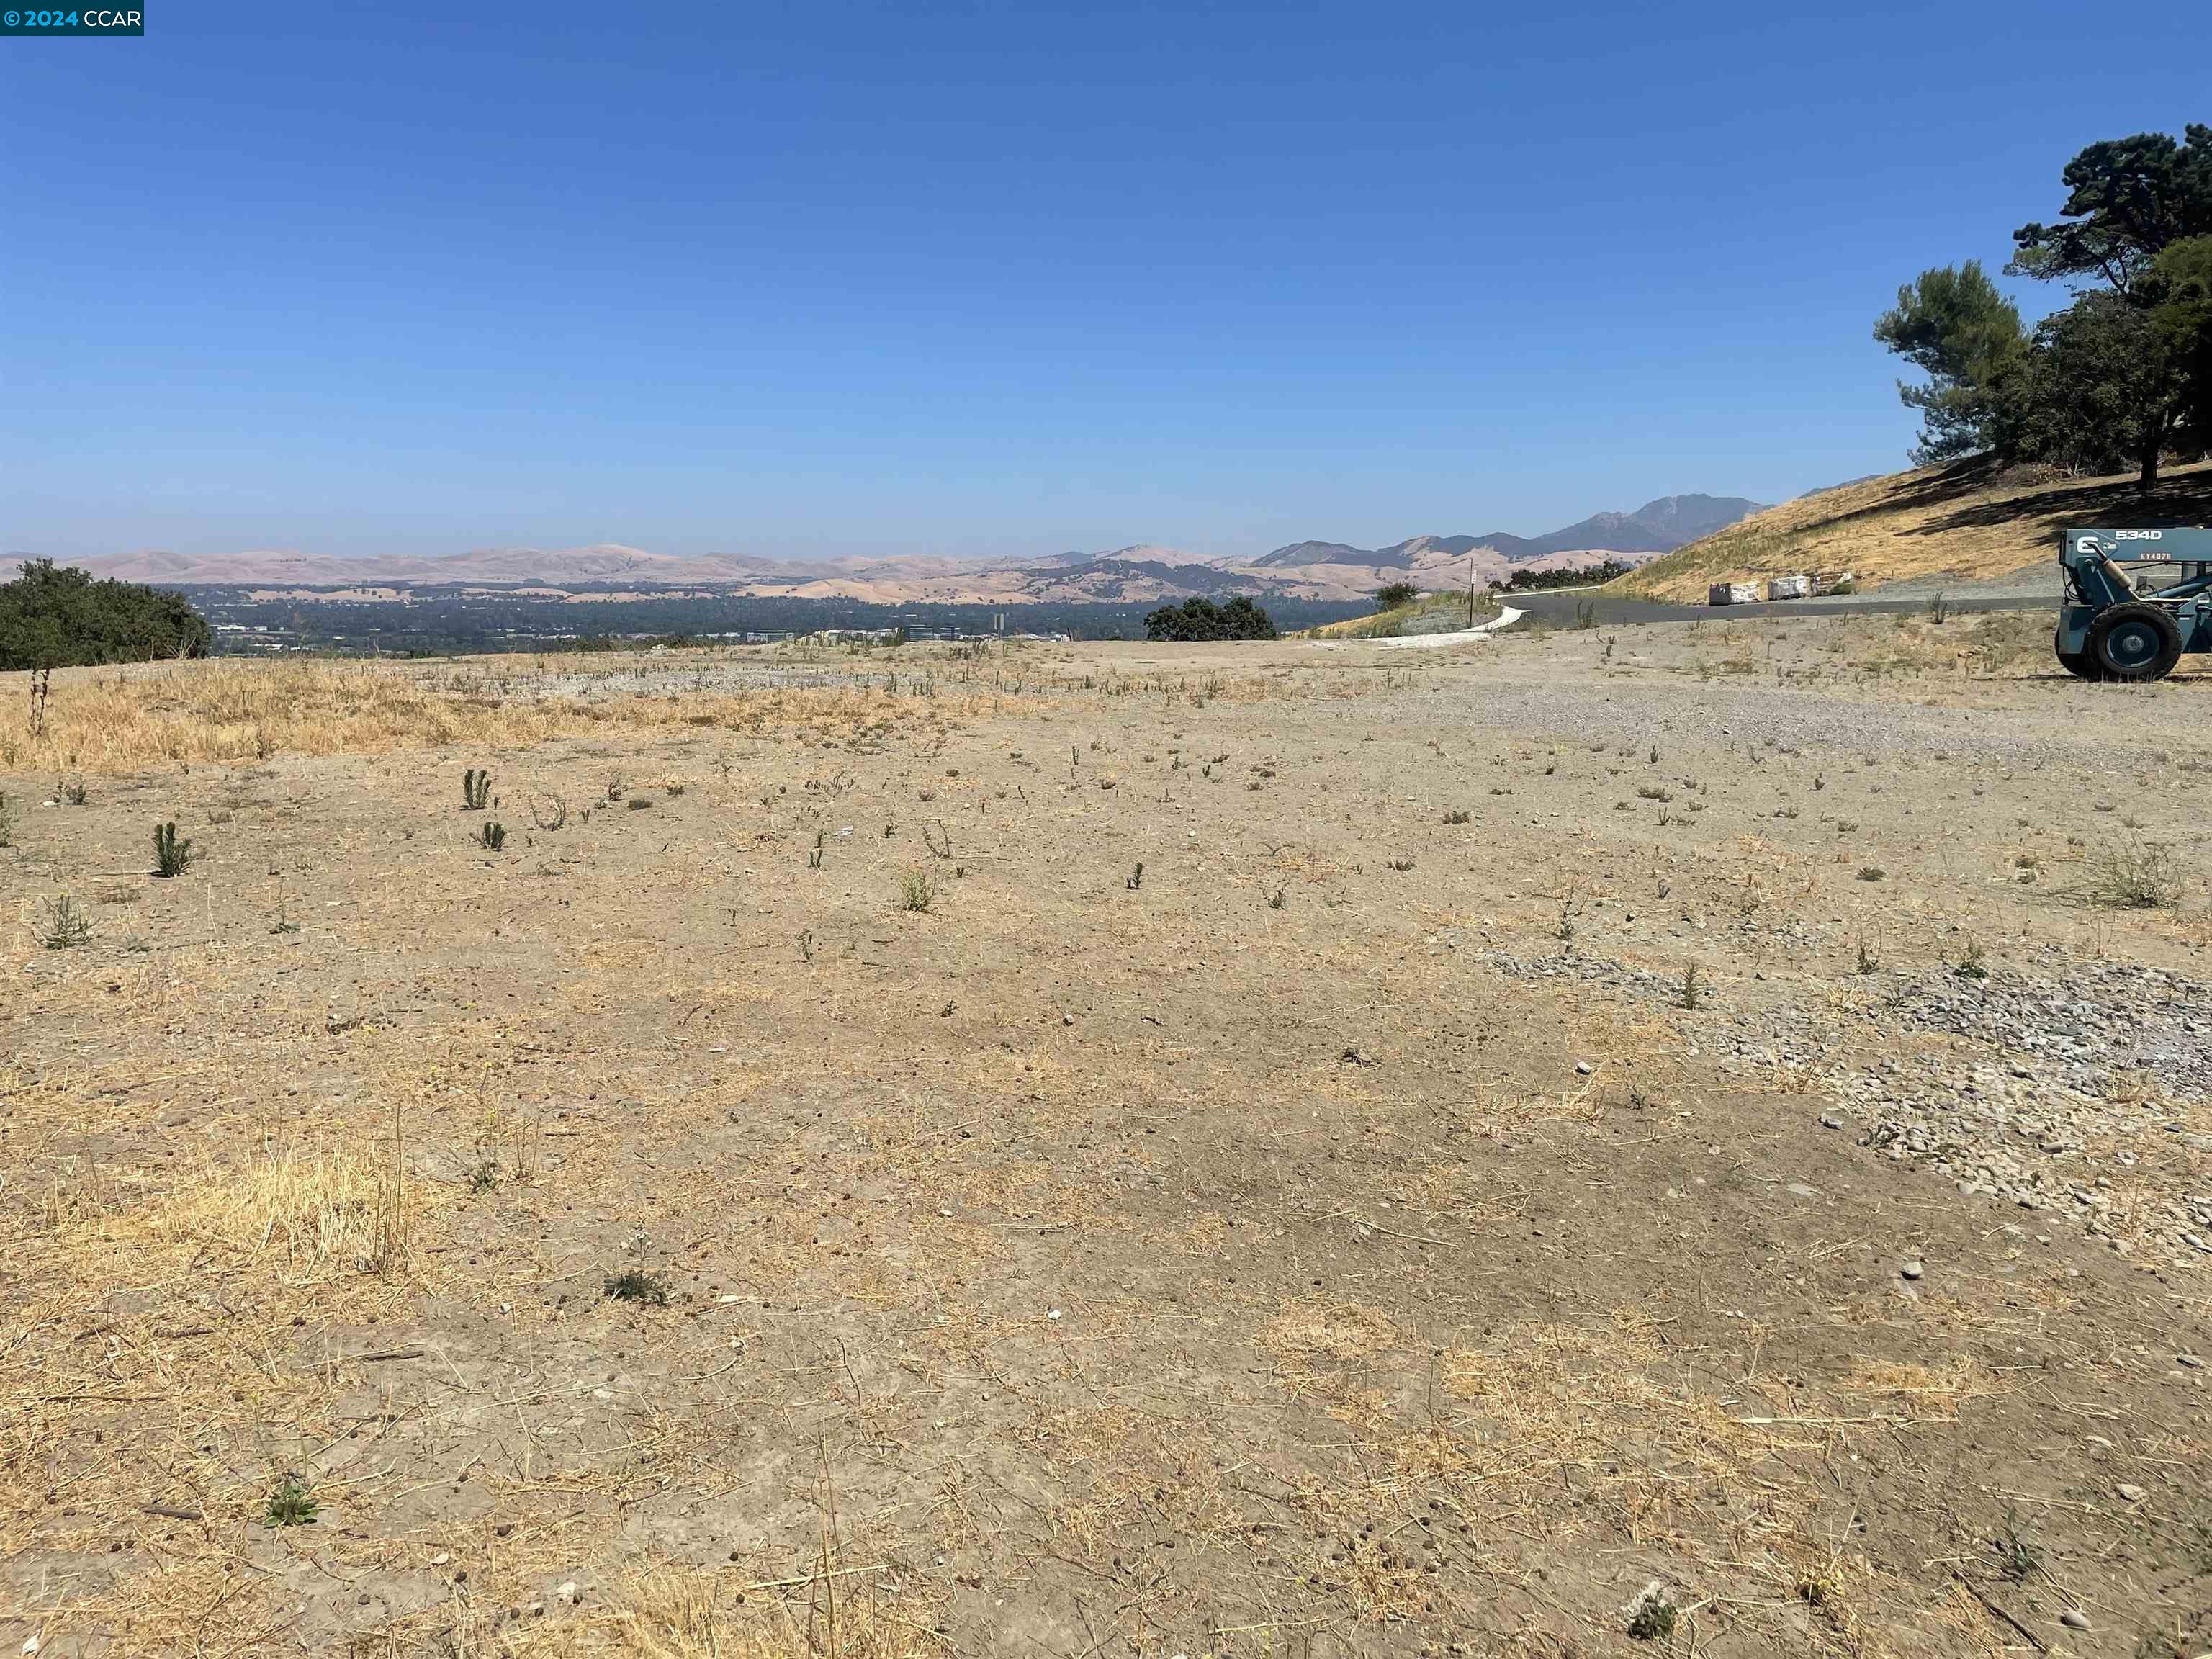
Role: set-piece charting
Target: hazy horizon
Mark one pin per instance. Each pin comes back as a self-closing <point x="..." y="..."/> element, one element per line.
<point x="794" y="557"/>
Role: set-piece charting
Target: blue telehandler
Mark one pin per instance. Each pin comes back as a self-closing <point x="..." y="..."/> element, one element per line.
<point x="2115" y="623"/>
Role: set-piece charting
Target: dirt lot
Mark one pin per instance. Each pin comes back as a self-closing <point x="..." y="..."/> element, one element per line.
<point x="1689" y="1139"/>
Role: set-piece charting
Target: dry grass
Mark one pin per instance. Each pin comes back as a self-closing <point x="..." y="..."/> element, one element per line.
<point x="317" y="1214"/>
<point x="667" y="1612"/>
<point x="2139" y="878"/>
<point x="1391" y="625"/>
<point x="1962" y="520"/>
<point x="226" y="710"/>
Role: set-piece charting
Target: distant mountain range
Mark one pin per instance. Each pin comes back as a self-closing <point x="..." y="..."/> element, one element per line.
<point x="1656" y="527"/>
<point x="1312" y="570"/>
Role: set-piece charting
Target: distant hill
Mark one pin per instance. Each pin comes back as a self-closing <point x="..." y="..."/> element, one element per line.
<point x="1319" y="571"/>
<point x="1657" y="527"/>
<point x="1968" y="520"/>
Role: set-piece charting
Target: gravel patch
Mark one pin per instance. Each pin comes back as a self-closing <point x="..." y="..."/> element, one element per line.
<point x="2009" y="1133"/>
<point x="2041" y="581"/>
<point x="2103" y="1068"/>
<point x="1772" y="716"/>
<point x="2094" y="1076"/>
<point x="2085" y="1025"/>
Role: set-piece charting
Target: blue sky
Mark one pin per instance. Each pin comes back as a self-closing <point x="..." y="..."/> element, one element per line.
<point x="829" y="278"/>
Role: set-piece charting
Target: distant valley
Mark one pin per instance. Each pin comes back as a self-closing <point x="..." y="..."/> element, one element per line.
<point x="1316" y="571"/>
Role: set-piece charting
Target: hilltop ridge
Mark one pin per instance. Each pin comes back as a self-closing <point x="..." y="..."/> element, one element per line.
<point x="1317" y="570"/>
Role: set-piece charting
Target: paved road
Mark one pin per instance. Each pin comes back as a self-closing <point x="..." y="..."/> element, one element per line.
<point x="1559" y="606"/>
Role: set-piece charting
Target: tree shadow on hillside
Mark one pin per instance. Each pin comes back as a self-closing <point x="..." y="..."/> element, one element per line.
<point x="1923" y="490"/>
<point x="2174" y="500"/>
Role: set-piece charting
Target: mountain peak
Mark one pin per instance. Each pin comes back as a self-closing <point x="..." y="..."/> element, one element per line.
<point x="1657" y="527"/>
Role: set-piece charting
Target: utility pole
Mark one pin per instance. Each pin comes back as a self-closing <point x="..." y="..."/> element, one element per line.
<point x="1470" y="587"/>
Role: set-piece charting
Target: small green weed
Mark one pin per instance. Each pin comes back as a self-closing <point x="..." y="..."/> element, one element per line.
<point x="292" y="1504"/>
<point x="171" y="857"/>
<point x="2019" y="1559"/>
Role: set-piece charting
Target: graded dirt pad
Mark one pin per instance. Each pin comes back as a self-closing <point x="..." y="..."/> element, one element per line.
<point x="1685" y="1139"/>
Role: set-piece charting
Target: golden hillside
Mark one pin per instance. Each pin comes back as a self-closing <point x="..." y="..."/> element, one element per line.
<point x="1965" y="520"/>
<point x="1421" y="617"/>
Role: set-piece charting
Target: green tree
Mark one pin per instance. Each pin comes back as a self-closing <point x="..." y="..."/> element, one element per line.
<point x="2127" y="200"/>
<point x="2179" y="290"/>
<point x="1953" y="326"/>
<point x="2101" y="392"/>
<point x="57" y="617"/>
<point x="1202" y="619"/>
<point x="1394" y="594"/>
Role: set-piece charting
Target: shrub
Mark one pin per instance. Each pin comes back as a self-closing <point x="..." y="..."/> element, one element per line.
<point x="635" y="1286"/>
<point x="1525" y="580"/>
<point x="1396" y="595"/>
<point x="58" y="616"/>
<point x="1202" y="619"/>
<point x="171" y="857"/>
<point x="917" y="889"/>
<point x="2139" y="879"/>
<point x="61" y="925"/>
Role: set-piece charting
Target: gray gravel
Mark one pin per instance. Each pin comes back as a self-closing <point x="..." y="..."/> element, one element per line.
<point x="2042" y="1117"/>
<point x="2040" y="580"/>
<point x="2014" y="1134"/>
<point x="2085" y="1026"/>
<point x="1776" y="718"/>
<point x="2088" y="1076"/>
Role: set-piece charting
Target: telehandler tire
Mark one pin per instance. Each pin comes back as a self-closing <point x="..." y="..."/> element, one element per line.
<point x="2076" y="663"/>
<point x="2134" y="642"/>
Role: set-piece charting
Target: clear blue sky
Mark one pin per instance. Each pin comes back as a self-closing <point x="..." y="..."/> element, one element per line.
<point x="817" y="278"/>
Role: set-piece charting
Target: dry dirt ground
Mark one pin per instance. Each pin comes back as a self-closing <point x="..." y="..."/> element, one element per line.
<point x="1681" y="1140"/>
